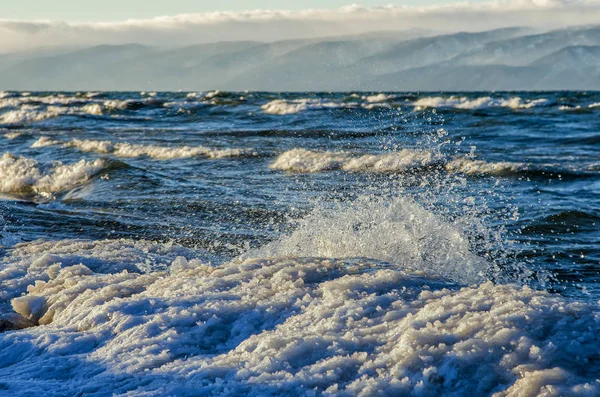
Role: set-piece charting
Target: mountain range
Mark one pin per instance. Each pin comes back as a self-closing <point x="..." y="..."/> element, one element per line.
<point x="417" y="60"/>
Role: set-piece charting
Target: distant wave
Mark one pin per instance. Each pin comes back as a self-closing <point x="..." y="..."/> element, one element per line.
<point x="480" y="167"/>
<point x="26" y="176"/>
<point x="18" y="109"/>
<point x="308" y="161"/>
<point x="30" y="113"/>
<point x="130" y="150"/>
<point x="378" y="98"/>
<point x="303" y="160"/>
<point x="477" y="103"/>
<point x="282" y="106"/>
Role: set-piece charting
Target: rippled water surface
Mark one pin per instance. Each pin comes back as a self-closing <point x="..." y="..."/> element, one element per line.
<point x="228" y="173"/>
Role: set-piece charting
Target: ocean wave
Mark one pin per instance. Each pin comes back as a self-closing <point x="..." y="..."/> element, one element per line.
<point x="284" y="326"/>
<point x="308" y="161"/>
<point x="480" y="167"/>
<point x="11" y="101"/>
<point x="31" y="113"/>
<point x="569" y="107"/>
<point x="395" y="230"/>
<point x="130" y="150"/>
<point x="26" y="176"/>
<point x="13" y="135"/>
<point x="477" y="103"/>
<point x="378" y="98"/>
<point x="303" y="160"/>
<point x="283" y="106"/>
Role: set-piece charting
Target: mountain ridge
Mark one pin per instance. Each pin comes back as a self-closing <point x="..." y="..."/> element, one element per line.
<point x="502" y="59"/>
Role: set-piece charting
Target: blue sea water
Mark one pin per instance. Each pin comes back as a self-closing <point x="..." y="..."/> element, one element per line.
<point x="469" y="187"/>
<point x="228" y="204"/>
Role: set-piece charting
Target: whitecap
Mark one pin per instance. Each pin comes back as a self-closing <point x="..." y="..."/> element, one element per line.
<point x="303" y="160"/>
<point x="283" y="106"/>
<point x="23" y="175"/>
<point x="131" y="150"/>
<point x="477" y="103"/>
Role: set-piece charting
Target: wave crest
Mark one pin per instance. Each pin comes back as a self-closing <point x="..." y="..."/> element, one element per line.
<point x="130" y="150"/>
<point x="456" y="102"/>
<point x="22" y="175"/>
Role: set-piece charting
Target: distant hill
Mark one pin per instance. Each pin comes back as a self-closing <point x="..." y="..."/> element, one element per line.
<point x="504" y="59"/>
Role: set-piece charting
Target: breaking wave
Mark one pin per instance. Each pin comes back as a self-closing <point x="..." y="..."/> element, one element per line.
<point x="307" y="161"/>
<point x="129" y="150"/>
<point x="31" y="113"/>
<point x="26" y="176"/>
<point x="282" y="106"/>
<point x="456" y="102"/>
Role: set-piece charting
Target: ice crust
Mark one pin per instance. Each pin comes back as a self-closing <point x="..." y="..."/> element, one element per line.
<point x="288" y="326"/>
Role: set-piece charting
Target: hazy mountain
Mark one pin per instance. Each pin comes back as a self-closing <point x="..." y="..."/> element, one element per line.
<point x="504" y="59"/>
<point x="522" y="50"/>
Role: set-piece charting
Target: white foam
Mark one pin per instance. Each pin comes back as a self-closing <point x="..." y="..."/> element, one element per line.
<point x="395" y="230"/>
<point x="296" y="326"/>
<point x="567" y="108"/>
<point x="480" y="167"/>
<point x="308" y="161"/>
<point x="594" y="105"/>
<point x="37" y="100"/>
<point x="302" y="160"/>
<point x="282" y="106"/>
<point x="44" y="141"/>
<point x="130" y="150"/>
<point x="13" y="135"/>
<point x="22" y="175"/>
<point x="31" y="113"/>
<point x="212" y="94"/>
<point x="477" y="103"/>
<point x="371" y="106"/>
<point x="378" y="98"/>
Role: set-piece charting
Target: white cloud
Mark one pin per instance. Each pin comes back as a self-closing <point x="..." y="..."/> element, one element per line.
<point x="271" y="25"/>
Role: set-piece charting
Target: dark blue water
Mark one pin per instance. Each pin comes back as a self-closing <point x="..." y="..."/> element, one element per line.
<point x="519" y="172"/>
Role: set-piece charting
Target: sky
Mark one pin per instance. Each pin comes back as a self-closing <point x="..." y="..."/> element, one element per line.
<point x="119" y="10"/>
<point x="27" y="25"/>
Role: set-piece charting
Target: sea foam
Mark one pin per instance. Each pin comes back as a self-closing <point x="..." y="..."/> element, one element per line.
<point x="130" y="150"/>
<point x="478" y="103"/>
<point x="282" y="106"/>
<point x="303" y="160"/>
<point x="308" y="161"/>
<point x="32" y="113"/>
<point x="23" y="175"/>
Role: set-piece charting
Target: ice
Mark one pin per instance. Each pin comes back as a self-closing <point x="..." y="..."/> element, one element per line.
<point x="295" y="326"/>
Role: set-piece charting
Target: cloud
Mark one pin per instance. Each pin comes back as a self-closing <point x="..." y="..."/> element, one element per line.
<point x="272" y="25"/>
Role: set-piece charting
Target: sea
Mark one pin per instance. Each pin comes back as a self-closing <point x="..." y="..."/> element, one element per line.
<point x="267" y="244"/>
